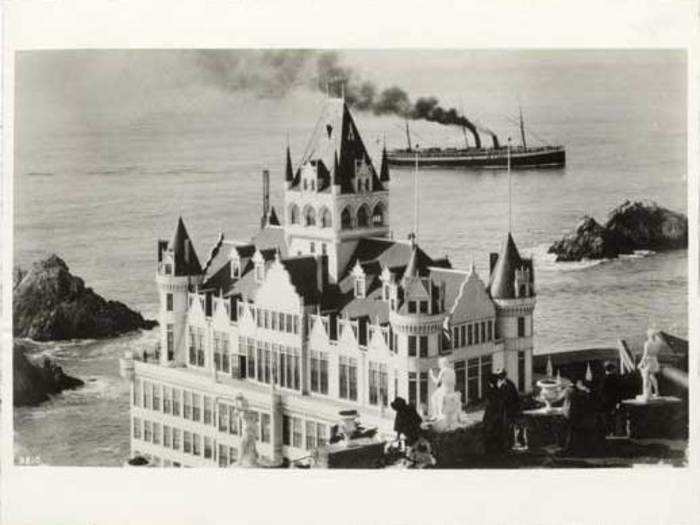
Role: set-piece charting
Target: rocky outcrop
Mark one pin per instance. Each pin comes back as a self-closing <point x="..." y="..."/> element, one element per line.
<point x="631" y="226"/>
<point x="34" y="383"/>
<point x="51" y="304"/>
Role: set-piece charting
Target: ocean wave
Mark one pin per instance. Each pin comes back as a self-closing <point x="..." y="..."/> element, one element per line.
<point x="545" y="261"/>
<point x="637" y="254"/>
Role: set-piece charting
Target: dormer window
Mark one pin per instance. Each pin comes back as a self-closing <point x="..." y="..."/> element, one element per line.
<point x="411" y="307"/>
<point x="235" y="268"/>
<point x="360" y="286"/>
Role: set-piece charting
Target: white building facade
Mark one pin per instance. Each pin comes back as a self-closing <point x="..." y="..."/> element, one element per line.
<point x="320" y="314"/>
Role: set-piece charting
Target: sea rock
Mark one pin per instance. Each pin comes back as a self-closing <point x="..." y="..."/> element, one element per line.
<point x="631" y="226"/>
<point x="34" y="383"/>
<point x="51" y="304"/>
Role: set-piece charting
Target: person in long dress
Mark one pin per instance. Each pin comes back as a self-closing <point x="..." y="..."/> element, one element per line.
<point x="494" y="420"/>
<point x="445" y="382"/>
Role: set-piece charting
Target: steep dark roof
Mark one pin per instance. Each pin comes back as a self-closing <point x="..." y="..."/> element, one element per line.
<point x="384" y="169"/>
<point x="271" y="237"/>
<point x="289" y="172"/>
<point x="501" y="282"/>
<point x="271" y="218"/>
<point x="303" y="272"/>
<point x="185" y="257"/>
<point x="386" y="252"/>
<point x="335" y="146"/>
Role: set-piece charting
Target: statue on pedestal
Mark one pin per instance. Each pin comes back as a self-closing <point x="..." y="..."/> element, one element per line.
<point x="446" y="405"/>
<point x="649" y="366"/>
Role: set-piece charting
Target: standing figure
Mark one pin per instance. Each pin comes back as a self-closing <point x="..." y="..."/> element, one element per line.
<point x="609" y="396"/>
<point x="494" y="418"/>
<point x="445" y="383"/>
<point x="407" y="421"/>
<point x="249" y="454"/>
<point x="511" y="401"/>
<point x="649" y="366"/>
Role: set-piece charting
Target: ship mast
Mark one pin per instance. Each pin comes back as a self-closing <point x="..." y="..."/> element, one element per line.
<point x="522" y="127"/>
<point x="408" y="136"/>
<point x="510" y="194"/>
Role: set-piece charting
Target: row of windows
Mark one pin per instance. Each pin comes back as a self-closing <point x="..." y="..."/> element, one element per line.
<point x="173" y="401"/>
<point x="473" y="333"/>
<point x="271" y="363"/>
<point x="420" y="342"/>
<point x="315" y="435"/>
<point x="173" y="438"/>
<point x="278" y="321"/>
<point x="363" y="217"/>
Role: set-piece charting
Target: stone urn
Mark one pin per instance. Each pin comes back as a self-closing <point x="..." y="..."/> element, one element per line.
<point x="550" y="391"/>
<point x="348" y="425"/>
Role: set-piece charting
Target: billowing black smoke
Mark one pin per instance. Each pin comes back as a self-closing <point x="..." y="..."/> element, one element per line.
<point x="277" y="72"/>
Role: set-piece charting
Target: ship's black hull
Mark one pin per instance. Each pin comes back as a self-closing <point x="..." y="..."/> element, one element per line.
<point x="484" y="159"/>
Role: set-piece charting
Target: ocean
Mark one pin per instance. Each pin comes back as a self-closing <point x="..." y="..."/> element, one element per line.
<point x="107" y="159"/>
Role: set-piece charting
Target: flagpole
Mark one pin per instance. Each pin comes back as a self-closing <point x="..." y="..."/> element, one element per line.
<point x="415" y="199"/>
<point x="510" y="193"/>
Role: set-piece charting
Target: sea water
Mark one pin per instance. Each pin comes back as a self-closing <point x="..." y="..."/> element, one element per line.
<point x="101" y="173"/>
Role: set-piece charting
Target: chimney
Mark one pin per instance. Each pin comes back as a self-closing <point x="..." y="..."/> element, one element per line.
<point x="322" y="272"/>
<point x="266" y="197"/>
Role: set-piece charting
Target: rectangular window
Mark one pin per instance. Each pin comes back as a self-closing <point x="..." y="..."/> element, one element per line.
<point x="217" y="351"/>
<point x="258" y="317"/>
<point x="521" y="371"/>
<point x="312" y="247"/>
<point x="310" y="435"/>
<point x="352" y="379"/>
<point x="196" y="445"/>
<point x="521" y="327"/>
<point x="200" y="347"/>
<point x="156" y="397"/>
<point x="226" y="358"/>
<point x="232" y="421"/>
<point x="232" y="454"/>
<point x="166" y="436"/>
<point x="489" y="331"/>
<point x="295" y="325"/>
<point x="187" y="405"/>
<point x="147" y="395"/>
<point x="373" y="383"/>
<point x="472" y="380"/>
<point x="424" y="307"/>
<point x="315" y="371"/>
<point x="223" y="455"/>
<point x="383" y="385"/>
<point x="296" y="432"/>
<point x="462" y="337"/>
<point x="412" y="389"/>
<point x="167" y="399"/>
<point x="423" y="346"/>
<point x="223" y="418"/>
<point x="196" y="407"/>
<point x="251" y="358"/>
<point x="207" y="411"/>
<point x="280" y="321"/>
<point x="483" y="331"/>
<point x="169" y="302"/>
<point x="321" y="434"/>
<point x="411" y="307"/>
<point x="193" y="347"/>
<point x="265" y="427"/>
<point x="147" y="431"/>
<point x="469" y="335"/>
<point x="424" y="388"/>
<point x="137" y="428"/>
<point x="156" y="433"/>
<point x="486" y="371"/>
<point x="176" y="439"/>
<point x="267" y="363"/>
<point x="286" y="430"/>
<point x="170" y="342"/>
<point x="273" y="321"/>
<point x="343" y="377"/>
<point x="476" y="333"/>
<point x="176" y="402"/>
<point x="412" y="346"/>
<point x="207" y="447"/>
<point x="297" y="384"/>
<point x="260" y="354"/>
<point x="266" y="319"/>
<point x="288" y="324"/>
<point x="137" y="392"/>
<point x="455" y="337"/>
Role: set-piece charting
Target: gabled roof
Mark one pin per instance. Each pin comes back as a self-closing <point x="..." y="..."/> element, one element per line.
<point x="184" y="255"/>
<point x="386" y="252"/>
<point x="335" y="145"/>
<point x="502" y="280"/>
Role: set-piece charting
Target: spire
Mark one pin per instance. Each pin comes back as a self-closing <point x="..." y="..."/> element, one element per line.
<point x="412" y="266"/>
<point x="501" y="284"/>
<point x="184" y="257"/>
<point x="384" y="170"/>
<point x="271" y="218"/>
<point x="289" y="172"/>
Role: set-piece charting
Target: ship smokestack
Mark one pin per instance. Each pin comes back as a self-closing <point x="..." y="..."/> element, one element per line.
<point x="494" y="137"/>
<point x="471" y="127"/>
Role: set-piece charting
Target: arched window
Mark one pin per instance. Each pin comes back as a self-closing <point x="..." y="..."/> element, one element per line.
<point x="362" y="217"/>
<point x="378" y="215"/>
<point x="309" y="216"/>
<point x="346" y="219"/>
<point x="326" y="221"/>
<point x="294" y="214"/>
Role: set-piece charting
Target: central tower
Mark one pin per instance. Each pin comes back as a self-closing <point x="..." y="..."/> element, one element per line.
<point x="335" y="196"/>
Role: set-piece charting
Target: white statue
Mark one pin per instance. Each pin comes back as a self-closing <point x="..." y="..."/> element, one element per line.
<point x="249" y="455"/>
<point x="445" y="383"/>
<point x="649" y="366"/>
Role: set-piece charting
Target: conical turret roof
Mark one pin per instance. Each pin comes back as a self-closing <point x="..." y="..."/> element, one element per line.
<point x="184" y="257"/>
<point x="384" y="169"/>
<point x="289" y="172"/>
<point x="502" y="281"/>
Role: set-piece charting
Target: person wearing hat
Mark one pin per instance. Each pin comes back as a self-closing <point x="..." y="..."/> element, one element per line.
<point x="511" y="403"/>
<point x="609" y="395"/>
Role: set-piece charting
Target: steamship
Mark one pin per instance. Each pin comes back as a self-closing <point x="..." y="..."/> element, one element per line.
<point x="497" y="156"/>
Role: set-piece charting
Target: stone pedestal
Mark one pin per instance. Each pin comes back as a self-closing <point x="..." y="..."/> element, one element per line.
<point x="364" y="453"/>
<point x="663" y="417"/>
<point x="544" y="427"/>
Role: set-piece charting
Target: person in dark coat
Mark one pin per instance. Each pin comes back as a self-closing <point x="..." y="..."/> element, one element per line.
<point x="511" y="400"/>
<point x="407" y="421"/>
<point x="494" y="418"/>
<point x="585" y="436"/>
<point x="609" y="396"/>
